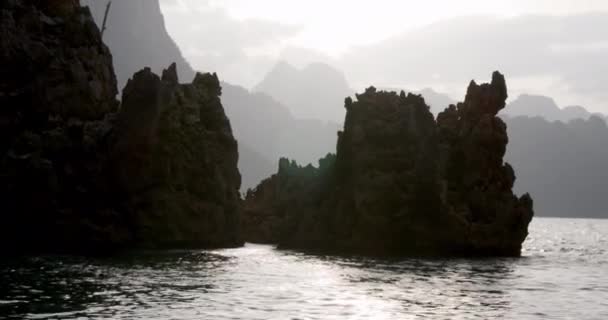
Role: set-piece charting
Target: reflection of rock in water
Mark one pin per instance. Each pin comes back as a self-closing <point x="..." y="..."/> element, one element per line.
<point x="401" y="183"/>
<point x="259" y="282"/>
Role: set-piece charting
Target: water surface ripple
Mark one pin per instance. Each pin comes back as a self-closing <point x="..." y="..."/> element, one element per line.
<point x="563" y="275"/>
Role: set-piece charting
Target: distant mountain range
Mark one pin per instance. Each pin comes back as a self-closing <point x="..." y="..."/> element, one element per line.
<point x="266" y="130"/>
<point x="315" y="91"/>
<point x="563" y="165"/>
<point x="137" y="35"/>
<point x="545" y="107"/>
<point x="559" y="154"/>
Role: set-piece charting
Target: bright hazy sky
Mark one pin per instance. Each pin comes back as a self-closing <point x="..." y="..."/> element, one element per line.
<point x="332" y="26"/>
<point x="243" y="39"/>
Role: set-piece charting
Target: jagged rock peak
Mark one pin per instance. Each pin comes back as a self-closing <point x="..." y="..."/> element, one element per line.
<point x="175" y="159"/>
<point x="403" y="183"/>
<point x="170" y="74"/>
<point x="487" y="98"/>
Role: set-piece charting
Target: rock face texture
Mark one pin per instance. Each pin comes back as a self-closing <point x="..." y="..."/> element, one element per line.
<point x="175" y="162"/>
<point x="57" y="88"/>
<point x="76" y="174"/>
<point x="401" y="183"/>
<point x="289" y="201"/>
<point x="477" y="185"/>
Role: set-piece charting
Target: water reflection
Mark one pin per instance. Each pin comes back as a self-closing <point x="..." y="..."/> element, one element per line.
<point x="68" y="287"/>
<point x="563" y="276"/>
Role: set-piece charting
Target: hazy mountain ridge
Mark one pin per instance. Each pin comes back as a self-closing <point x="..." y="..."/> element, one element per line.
<point x="546" y="107"/>
<point x="314" y="91"/>
<point x="267" y="129"/>
<point x="137" y="36"/>
<point x="563" y="165"/>
<point x="527" y="48"/>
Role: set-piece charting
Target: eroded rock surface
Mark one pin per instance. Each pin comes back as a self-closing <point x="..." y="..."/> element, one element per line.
<point x="175" y="161"/>
<point x="57" y="90"/>
<point x="402" y="183"/>
<point x="77" y="174"/>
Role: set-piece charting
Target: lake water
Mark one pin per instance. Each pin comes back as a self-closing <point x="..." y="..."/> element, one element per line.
<point x="563" y="275"/>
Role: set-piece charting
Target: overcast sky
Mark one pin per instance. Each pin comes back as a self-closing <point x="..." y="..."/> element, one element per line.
<point x="562" y="54"/>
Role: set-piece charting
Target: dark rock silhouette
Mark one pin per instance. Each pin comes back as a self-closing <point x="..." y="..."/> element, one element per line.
<point x="175" y="161"/>
<point x="76" y="174"/>
<point x="401" y="183"/>
<point x="279" y="204"/>
<point x="478" y="185"/>
<point x="57" y="90"/>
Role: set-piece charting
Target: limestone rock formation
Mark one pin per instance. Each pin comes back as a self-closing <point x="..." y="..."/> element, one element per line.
<point x="402" y="183"/>
<point x="289" y="195"/>
<point x="175" y="162"/>
<point x="477" y="185"/>
<point x="78" y="175"/>
<point x="57" y="89"/>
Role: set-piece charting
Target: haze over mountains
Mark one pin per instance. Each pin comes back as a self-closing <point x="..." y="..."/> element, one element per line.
<point x="545" y="107"/>
<point x="266" y="130"/>
<point x="559" y="154"/>
<point x="553" y="48"/>
<point x="138" y="26"/>
<point x="564" y="52"/>
<point x="310" y="92"/>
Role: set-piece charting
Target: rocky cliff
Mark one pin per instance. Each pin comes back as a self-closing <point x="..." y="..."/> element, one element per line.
<point x="57" y="89"/>
<point x="402" y="183"/>
<point x="174" y="161"/>
<point x="76" y="174"/>
<point x="477" y="184"/>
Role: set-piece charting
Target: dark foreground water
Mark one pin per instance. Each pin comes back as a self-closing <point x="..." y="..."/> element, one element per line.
<point x="563" y="275"/>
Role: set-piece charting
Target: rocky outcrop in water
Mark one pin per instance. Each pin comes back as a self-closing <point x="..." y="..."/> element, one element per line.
<point x="402" y="183"/>
<point x="175" y="161"/>
<point x="477" y="185"/>
<point x="76" y="174"/>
